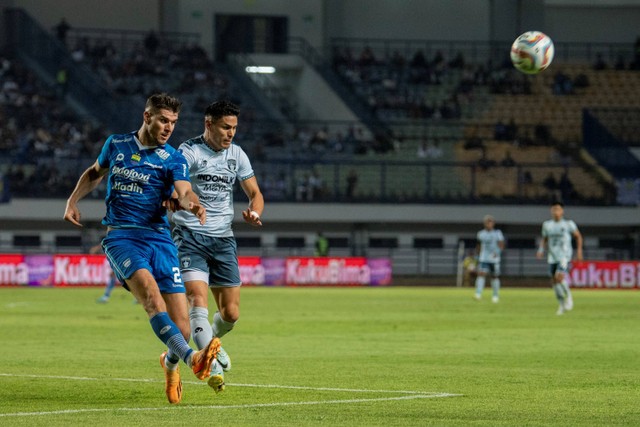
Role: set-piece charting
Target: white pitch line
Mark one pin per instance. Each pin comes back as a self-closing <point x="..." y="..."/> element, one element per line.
<point x="291" y="387"/>
<point x="411" y="395"/>
<point x="246" y="406"/>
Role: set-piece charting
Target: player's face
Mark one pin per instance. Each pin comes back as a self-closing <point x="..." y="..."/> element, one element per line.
<point x="221" y="131"/>
<point x="557" y="212"/>
<point x="160" y="125"/>
<point x="489" y="224"/>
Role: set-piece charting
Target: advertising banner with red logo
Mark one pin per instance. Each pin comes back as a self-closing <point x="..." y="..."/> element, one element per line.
<point x="605" y="275"/>
<point x="81" y="270"/>
<point x="349" y="271"/>
<point x="94" y="270"/>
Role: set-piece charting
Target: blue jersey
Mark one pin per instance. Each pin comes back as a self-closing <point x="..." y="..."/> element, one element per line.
<point x="140" y="177"/>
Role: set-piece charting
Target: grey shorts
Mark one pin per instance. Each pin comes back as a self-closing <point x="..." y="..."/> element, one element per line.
<point x="209" y="259"/>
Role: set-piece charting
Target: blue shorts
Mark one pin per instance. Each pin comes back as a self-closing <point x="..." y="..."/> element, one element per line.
<point x="559" y="268"/>
<point x="489" y="267"/>
<point x="129" y="250"/>
<point x="209" y="259"/>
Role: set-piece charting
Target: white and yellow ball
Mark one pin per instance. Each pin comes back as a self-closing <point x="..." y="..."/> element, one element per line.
<point x="532" y="52"/>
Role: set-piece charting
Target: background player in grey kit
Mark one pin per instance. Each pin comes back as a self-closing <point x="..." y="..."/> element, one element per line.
<point x="208" y="254"/>
<point x="490" y="244"/>
<point x="556" y="237"/>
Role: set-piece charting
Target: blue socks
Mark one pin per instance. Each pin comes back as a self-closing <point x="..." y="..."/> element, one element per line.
<point x="170" y="334"/>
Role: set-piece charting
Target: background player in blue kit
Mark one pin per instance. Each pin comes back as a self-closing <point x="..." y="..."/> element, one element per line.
<point x="208" y="255"/>
<point x="556" y="237"/>
<point x="142" y="171"/>
<point x="490" y="244"/>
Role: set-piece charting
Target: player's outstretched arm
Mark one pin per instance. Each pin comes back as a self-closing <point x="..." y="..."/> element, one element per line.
<point x="578" y="236"/>
<point x="189" y="200"/>
<point x="543" y="244"/>
<point x="87" y="182"/>
<point x="253" y="213"/>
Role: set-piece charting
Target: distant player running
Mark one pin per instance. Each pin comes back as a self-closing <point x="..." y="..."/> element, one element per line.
<point x="556" y="238"/>
<point x="489" y="247"/>
<point x="142" y="171"/>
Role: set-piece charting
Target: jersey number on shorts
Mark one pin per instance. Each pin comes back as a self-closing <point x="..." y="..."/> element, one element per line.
<point x="176" y="275"/>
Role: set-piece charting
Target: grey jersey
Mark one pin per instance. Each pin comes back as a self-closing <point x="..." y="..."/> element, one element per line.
<point x="212" y="175"/>
<point x="489" y="245"/>
<point x="558" y="234"/>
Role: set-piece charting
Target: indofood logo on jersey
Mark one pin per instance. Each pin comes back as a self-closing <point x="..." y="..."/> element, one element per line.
<point x="133" y="187"/>
<point x="131" y="174"/>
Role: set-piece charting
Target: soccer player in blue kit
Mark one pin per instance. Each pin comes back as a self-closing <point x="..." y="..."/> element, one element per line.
<point x="208" y="254"/>
<point x="142" y="172"/>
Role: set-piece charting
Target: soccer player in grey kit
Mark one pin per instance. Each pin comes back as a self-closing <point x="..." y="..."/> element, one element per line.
<point x="556" y="237"/>
<point x="207" y="252"/>
<point x="490" y="244"/>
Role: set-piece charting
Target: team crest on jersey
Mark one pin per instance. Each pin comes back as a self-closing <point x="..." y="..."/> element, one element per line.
<point x="162" y="153"/>
<point x="135" y="157"/>
<point x="185" y="262"/>
<point x="231" y="164"/>
<point x="203" y="163"/>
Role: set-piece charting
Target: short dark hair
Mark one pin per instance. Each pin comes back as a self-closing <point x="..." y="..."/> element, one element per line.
<point x="162" y="101"/>
<point x="222" y="108"/>
<point x="557" y="203"/>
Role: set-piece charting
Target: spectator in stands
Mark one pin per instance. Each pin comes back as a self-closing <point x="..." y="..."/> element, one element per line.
<point x="552" y="186"/>
<point x="422" y="148"/>
<point x="151" y="42"/>
<point x="352" y="183"/>
<point x="316" y="191"/>
<point x="138" y="242"/>
<point x="434" y="151"/>
<point x="302" y="188"/>
<point x="62" y="29"/>
<point x="457" y="62"/>
<point x="581" y="81"/>
<point x="485" y="163"/>
<point x="542" y="134"/>
<point x="474" y="141"/>
<point x="511" y="130"/>
<point x="562" y="84"/>
<point x="620" y="64"/>
<point x="507" y="161"/>
<point x="599" y="63"/>
<point x="566" y="187"/>
<point x="419" y="60"/>
<point x="367" y="58"/>
<point x="635" y="64"/>
<point x="500" y="131"/>
<point x="526" y="184"/>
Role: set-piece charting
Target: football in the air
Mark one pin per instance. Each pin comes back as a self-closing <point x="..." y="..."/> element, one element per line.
<point x="532" y="52"/>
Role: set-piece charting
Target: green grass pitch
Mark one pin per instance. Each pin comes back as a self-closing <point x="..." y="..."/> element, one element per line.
<point x="401" y="356"/>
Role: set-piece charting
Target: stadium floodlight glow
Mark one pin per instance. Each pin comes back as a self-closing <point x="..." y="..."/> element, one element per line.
<point x="255" y="69"/>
